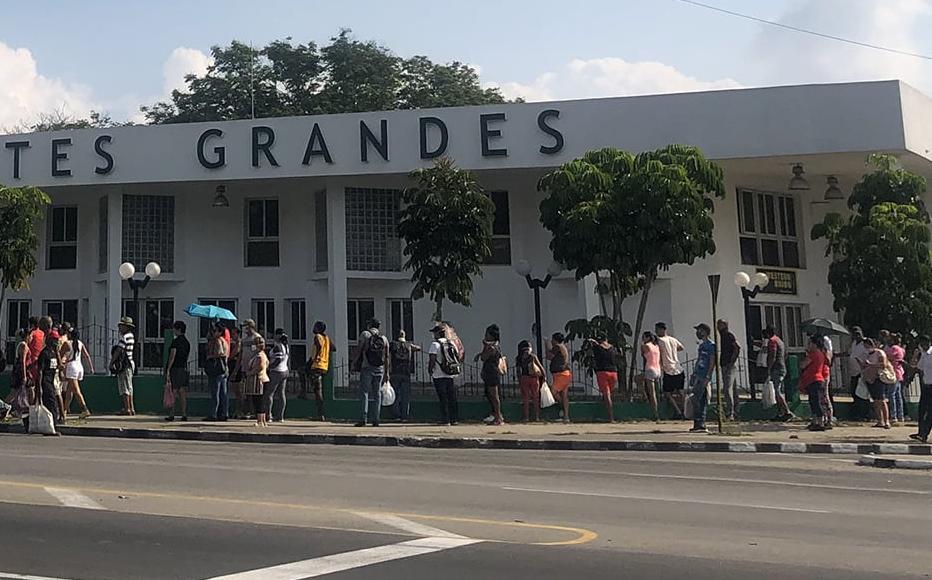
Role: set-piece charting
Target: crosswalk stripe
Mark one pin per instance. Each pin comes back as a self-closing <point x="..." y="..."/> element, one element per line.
<point x="408" y="526"/>
<point x="71" y="498"/>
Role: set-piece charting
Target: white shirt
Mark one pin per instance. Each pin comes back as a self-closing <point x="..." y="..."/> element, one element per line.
<point x="669" y="357"/>
<point x="858" y="351"/>
<point x="925" y="366"/>
<point x="827" y="345"/>
<point x="435" y="349"/>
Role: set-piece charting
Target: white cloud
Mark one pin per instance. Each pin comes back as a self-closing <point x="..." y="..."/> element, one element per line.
<point x="25" y="94"/>
<point x="609" y="77"/>
<point x="790" y="57"/>
<point x="181" y="62"/>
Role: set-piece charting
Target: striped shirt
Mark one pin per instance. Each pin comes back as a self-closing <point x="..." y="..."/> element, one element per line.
<point x="127" y="343"/>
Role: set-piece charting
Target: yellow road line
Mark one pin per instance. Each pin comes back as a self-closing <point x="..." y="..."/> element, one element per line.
<point x="583" y="535"/>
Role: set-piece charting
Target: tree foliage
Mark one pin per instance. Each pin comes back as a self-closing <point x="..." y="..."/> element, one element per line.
<point x="21" y="208"/>
<point x="347" y="75"/>
<point x="447" y="228"/>
<point x="625" y="217"/>
<point x="59" y="120"/>
<point x="881" y="272"/>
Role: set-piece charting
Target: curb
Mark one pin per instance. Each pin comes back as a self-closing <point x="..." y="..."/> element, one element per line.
<point x="894" y="462"/>
<point x="491" y="443"/>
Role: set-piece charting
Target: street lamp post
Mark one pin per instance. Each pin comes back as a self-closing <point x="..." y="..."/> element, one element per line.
<point x="750" y="286"/>
<point x="127" y="272"/>
<point x="524" y="269"/>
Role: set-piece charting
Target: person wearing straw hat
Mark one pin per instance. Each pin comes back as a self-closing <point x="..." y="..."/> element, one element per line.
<point x="121" y="361"/>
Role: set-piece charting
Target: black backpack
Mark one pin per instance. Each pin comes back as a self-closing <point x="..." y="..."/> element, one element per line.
<point x="401" y="356"/>
<point x="450" y="362"/>
<point x="121" y="363"/>
<point x="375" y="351"/>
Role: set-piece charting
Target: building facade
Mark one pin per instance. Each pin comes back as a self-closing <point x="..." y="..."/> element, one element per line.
<point x="309" y="231"/>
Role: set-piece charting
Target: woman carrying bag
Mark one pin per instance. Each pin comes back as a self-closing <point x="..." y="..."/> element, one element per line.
<point x="530" y="373"/>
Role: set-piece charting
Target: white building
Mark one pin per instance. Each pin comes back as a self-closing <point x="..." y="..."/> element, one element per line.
<point x="309" y="232"/>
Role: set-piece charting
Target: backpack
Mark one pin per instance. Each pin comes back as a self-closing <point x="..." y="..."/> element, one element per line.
<point x="401" y="356"/>
<point x="449" y="357"/>
<point x="375" y="351"/>
<point x="121" y="363"/>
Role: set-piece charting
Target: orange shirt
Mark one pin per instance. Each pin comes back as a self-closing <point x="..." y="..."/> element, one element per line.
<point x="34" y="343"/>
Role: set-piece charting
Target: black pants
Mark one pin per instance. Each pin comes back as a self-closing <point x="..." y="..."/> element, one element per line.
<point x="449" y="407"/>
<point x="860" y="408"/>
<point x="925" y="411"/>
<point x="315" y="378"/>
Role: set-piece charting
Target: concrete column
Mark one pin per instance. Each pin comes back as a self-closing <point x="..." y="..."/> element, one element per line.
<point x="114" y="257"/>
<point x="336" y="268"/>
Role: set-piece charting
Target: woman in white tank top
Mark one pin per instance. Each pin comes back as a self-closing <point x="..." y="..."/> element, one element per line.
<point x="74" y="353"/>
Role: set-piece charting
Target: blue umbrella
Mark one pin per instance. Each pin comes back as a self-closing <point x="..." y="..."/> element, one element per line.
<point x="211" y="312"/>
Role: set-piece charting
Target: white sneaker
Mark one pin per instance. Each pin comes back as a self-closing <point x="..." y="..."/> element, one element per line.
<point x="489" y="419"/>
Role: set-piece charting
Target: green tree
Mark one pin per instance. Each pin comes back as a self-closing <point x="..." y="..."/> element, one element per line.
<point x="447" y="228"/>
<point x="881" y="272"/>
<point x="631" y="216"/>
<point x="287" y="78"/>
<point x="21" y="208"/>
<point x="59" y="120"/>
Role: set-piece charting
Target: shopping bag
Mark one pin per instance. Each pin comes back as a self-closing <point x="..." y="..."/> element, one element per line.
<point x="168" y="397"/>
<point x="546" y="397"/>
<point x="388" y="394"/>
<point x="20" y="402"/>
<point x="41" y="420"/>
<point x="768" y="395"/>
<point x="688" y="407"/>
<point x="862" y="392"/>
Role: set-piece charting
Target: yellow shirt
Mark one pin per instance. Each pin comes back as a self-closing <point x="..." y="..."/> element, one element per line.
<point x="321" y="355"/>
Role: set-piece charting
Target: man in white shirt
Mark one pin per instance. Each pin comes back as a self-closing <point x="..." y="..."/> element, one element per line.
<point x="859" y="407"/>
<point x="443" y="368"/>
<point x="925" y="401"/>
<point x="674" y="379"/>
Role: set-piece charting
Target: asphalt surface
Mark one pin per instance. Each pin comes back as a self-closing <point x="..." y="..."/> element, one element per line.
<point x="165" y="509"/>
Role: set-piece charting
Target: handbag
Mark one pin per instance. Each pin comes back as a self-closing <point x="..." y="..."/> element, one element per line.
<point x="886" y="374"/>
<point x="768" y="395"/>
<point x="388" y="394"/>
<point x="168" y="396"/>
<point x="214" y="367"/>
<point x="41" y="420"/>
<point x="546" y="396"/>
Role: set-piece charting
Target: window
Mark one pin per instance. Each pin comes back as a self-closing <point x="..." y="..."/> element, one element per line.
<point x="768" y="230"/>
<point x="61" y="311"/>
<point x="62" y="238"/>
<point x="263" y="311"/>
<point x="149" y="230"/>
<point x="320" y="230"/>
<point x="297" y="333"/>
<point x="372" y="242"/>
<point x="17" y="317"/>
<point x="501" y="230"/>
<point x="204" y="324"/>
<point x="401" y="317"/>
<point x="358" y="312"/>
<point x="262" y="233"/>
<point x="785" y="318"/>
<point x="103" y="211"/>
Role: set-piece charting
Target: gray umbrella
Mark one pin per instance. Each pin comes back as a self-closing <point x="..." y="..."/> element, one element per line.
<point x="823" y="326"/>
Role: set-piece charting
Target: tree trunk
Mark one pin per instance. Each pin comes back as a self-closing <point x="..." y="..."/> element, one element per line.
<point x="2" y="302"/>
<point x="438" y="313"/>
<point x="601" y="291"/>
<point x="637" y="327"/>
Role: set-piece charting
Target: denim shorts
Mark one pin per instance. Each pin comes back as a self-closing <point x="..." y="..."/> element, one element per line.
<point x="776" y="377"/>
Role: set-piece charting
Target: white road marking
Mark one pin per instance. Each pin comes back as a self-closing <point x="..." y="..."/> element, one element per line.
<point x="775" y="482"/>
<point x="12" y="576"/>
<point x="71" y="498"/>
<point x="409" y="526"/>
<point x="349" y="560"/>
<point x="674" y="500"/>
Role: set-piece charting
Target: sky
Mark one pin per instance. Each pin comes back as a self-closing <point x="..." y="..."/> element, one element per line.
<point x="115" y="55"/>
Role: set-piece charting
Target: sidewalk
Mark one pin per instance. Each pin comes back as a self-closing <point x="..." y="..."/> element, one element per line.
<point x="628" y="436"/>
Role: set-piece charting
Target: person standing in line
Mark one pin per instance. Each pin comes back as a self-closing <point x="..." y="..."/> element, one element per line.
<point x="176" y="369"/>
<point x="18" y="378"/>
<point x="48" y="364"/>
<point x="650" y="355"/>
<point x="859" y="406"/>
<point x="828" y="405"/>
<point x="923" y="366"/>
<point x="247" y="341"/>
<point x="562" y="376"/>
<point x="278" y="377"/>
<point x="700" y="382"/>
<point x="494" y="368"/>
<point x="402" y="355"/>
<point x="35" y="342"/>
<point x="530" y="373"/>
<point x="728" y="363"/>
<point x="319" y="364"/>
<point x="871" y="368"/>
<point x="444" y="366"/>
<point x="896" y="355"/>
<point x="372" y="358"/>
<point x="257" y="380"/>
<point x="216" y="367"/>
<point x="812" y="381"/>
<point x="606" y="372"/>
<point x="674" y="378"/>
<point x="235" y="374"/>
<point x="121" y="361"/>
<point x="59" y="378"/>
<point x="74" y="353"/>
<point x="776" y="371"/>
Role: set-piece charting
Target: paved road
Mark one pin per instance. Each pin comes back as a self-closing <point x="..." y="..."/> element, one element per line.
<point x="100" y="508"/>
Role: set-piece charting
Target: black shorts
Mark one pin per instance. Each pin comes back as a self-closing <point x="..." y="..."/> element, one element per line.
<point x="878" y="391"/>
<point x="179" y="378"/>
<point x="673" y="383"/>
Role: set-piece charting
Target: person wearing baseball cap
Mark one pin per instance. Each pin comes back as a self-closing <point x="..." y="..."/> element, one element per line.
<point x="701" y="379"/>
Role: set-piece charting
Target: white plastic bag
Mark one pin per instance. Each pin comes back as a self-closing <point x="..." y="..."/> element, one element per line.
<point x="689" y="407"/>
<point x="388" y="394"/>
<point x="546" y="397"/>
<point x="41" y="420"/>
<point x="768" y="395"/>
<point x="862" y="392"/>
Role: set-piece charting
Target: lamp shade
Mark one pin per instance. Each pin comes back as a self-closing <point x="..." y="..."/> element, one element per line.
<point x="798" y="182"/>
<point x="153" y="270"/>
<point x="555" y="268"/>
<point x="761" y="280"/>
<point x="127" y="271"/>
<point x="742" y="279"/>
<point x="220" y="198"/>
<point x="523" y="268"/>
